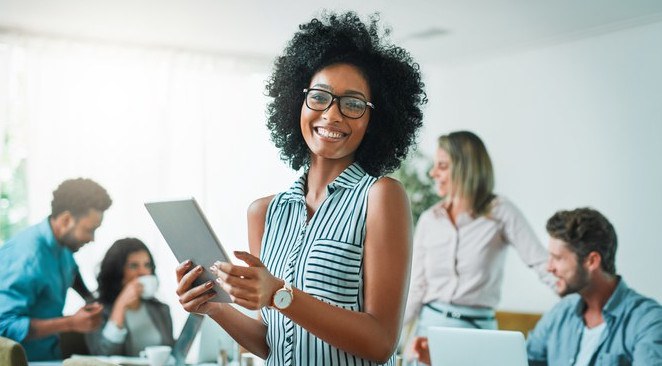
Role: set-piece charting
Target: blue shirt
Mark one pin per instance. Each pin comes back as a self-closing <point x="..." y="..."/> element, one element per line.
<point x="633" y="333"/>
<point x="36" y="272"/>
<point x="322" y="257"/>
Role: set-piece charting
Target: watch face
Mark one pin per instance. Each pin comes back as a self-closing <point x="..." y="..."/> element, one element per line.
<point x="282" y="299"/>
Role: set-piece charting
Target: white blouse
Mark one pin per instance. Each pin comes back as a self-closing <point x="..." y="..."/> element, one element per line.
<point x="463" y="264"/>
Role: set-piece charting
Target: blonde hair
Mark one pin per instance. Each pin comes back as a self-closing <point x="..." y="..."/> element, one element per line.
<point x="472" y="174"/>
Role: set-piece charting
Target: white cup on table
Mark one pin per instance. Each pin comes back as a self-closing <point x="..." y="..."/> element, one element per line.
<point x="157" y="355"/>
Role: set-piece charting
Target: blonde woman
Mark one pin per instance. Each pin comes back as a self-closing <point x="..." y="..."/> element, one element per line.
<point x="460" y="243"/>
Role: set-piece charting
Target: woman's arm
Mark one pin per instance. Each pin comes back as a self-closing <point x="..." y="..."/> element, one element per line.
<point x="248" y="332"/>
<point x="372" y="334"/>
<point x="418" y="283"/>
<point x="128" y="298"/>
<point x="521" y="236"/>
<point x="105" y="341"/>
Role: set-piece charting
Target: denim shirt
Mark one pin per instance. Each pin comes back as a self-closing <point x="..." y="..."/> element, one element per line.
<point x="35" y="273"/>
<point x="633" y="334"/>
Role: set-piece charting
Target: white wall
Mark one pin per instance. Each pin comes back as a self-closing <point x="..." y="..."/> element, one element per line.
<point x="147" y="124"/>
<point x="568" y="125"/>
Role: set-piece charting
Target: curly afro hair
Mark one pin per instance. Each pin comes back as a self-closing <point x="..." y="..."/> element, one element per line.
<point x="393" y="77"/>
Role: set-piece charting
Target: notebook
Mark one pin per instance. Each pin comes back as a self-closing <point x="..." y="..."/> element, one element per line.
<point x="470" y="347"/>
<point x="189" y="235"/>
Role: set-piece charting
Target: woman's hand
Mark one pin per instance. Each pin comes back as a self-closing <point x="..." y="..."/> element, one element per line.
<point x="129" y="297"/>
<point x="422" y="350"/>
<point x="193" y="299"/>
<point x="252" y="287"/>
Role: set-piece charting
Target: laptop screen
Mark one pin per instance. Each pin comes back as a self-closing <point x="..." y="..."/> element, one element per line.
<point x="183" y="343"/>
<point x="470" y="347"/>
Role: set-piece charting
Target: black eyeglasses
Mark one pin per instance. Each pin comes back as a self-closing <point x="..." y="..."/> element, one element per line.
<point x="350" y="107"/>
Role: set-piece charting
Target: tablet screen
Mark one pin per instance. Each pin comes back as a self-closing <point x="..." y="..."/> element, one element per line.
<point x="189" y="235"/>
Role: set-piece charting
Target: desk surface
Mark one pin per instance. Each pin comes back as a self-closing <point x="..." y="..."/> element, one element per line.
<point x="104" y="358"/>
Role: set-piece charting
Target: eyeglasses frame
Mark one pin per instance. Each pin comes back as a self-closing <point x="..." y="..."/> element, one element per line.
<point x="336" y="98"/>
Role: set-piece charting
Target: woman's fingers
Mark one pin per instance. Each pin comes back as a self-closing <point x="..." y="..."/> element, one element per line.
<point x="193" y="299"/>
<point x="186" y="280"/>
<point x="195" y="292"/>
<point x="247" y="290"/>
<point x="233" y="270"/>
<point x="250" y="305"/>
<point x="194" y="305"/>
<point x="182" y="268"/>
<point x="251" y="287"/>
<point x="238" y="291"/>
<point x="250" y="259"/>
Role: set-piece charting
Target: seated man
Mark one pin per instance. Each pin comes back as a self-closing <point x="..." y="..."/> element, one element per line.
<point x="37" y="267"/>
<point x="600" y="320"/>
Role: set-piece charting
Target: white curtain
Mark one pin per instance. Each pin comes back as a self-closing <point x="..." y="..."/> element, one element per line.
<point x="147" y="124"/>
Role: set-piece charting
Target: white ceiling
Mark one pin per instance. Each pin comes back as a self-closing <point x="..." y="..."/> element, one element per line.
<point x="457" y="30"/>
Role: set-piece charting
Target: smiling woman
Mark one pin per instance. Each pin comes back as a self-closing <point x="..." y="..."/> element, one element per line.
<point x="338" y="242"/>
<point x="570" y="111"/>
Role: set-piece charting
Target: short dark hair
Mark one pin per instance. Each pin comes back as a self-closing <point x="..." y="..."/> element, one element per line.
<point x="78" y="196"/>
<point x="586" y="230"/>
<point x="112" y="267"/>
<point x="393" y="77"/>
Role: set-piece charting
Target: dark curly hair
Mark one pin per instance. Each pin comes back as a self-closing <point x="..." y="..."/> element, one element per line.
<point x="585" y="230"/>
<point x="112" y="267"/>
<point x="78" y="196"/>
<point x="393" y="77"/>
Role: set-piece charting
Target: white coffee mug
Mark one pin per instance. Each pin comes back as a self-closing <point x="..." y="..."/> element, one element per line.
<point x="150" y="285"/>
<point x="157" y="355"/>
<point x="249" y="359"/>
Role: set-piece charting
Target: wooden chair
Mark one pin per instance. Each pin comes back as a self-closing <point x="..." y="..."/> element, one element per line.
<point x="521" y="322"/>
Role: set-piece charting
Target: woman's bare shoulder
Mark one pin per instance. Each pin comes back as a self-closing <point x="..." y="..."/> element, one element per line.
<point x="259" y="206"/>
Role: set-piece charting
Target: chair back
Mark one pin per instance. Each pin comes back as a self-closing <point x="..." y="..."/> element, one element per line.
<point x="12" y="353"/>
<point x="521" y="322"/>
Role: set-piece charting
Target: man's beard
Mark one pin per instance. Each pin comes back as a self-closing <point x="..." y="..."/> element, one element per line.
<point x="69" y="241"/>
<point x="576" y="283"/>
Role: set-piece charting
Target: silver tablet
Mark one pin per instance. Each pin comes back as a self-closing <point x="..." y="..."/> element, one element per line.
<point x="189" y="235"/>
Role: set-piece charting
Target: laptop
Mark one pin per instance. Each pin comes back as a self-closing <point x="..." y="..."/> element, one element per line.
<point x="470" y="347"/>
<point x="185" y="340"/>
<point x="213" y="339"/>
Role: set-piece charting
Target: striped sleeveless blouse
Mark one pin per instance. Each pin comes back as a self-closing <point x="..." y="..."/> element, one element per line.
<point x="323" y="258"/>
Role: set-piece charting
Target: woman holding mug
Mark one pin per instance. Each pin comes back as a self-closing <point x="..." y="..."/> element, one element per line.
<point x="133" y="318"/>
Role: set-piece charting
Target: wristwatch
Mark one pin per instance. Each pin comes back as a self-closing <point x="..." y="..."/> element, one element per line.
<point x="283" y="297"/>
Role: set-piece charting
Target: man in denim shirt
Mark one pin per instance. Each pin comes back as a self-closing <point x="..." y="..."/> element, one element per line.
<point x="600" y="320"/>
<point x="37" y="268"/>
